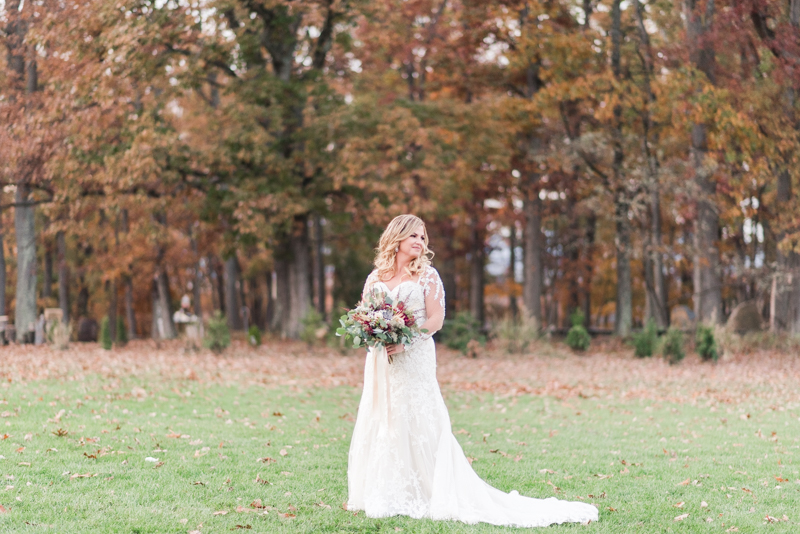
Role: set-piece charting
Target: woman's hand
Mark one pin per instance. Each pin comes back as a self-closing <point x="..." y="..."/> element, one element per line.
<point x="393" y="349"/>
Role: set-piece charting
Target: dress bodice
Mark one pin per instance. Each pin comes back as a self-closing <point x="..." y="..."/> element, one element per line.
<point x="423" y="296"/>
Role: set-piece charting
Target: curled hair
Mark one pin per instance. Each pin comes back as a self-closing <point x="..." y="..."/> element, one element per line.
<point x="399" y="229"/>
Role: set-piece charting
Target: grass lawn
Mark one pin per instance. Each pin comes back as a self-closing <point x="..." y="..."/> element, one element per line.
<point x="98" y="448"/>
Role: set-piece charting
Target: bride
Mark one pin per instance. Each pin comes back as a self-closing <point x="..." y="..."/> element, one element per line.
<point x="404" y="458"/>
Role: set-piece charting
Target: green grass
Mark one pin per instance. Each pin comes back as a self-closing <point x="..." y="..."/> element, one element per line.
<point x="627" y="456"/>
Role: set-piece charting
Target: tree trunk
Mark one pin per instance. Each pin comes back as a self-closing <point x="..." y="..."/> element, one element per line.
<point x="624" y="311"/>
<point x="785" y="294"/>
<point x="3" y="274"/>
<point x="657" y="304"/>
<point x="319" y="265"/>
<point x="47" y="287"/>
<point x="269" y="314"/>
<point x="476" y="274"/>
<point x="162" y="284"/>
<point x="707" y="276"/>
<point x="233" y="305"/>
<point x="298" y="275"/>
<point x="25" y="313"/>
<point x="283" y="296"/>
<point x="512" y="270"/>
<point x="256" y="302"/>
<point x="197" y="282"/>
<point x="111" y="288"/>
<point x="129" y="313"/>
<point x="63" y="275"/>
<point x="532" y="253"/>
<point x="591" y="228"/>
<point x="157" y="330"/>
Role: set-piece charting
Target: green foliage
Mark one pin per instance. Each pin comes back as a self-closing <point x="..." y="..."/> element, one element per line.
<point x="459" y="331"/>
<point x="672" y="346"/>
<point x="105" y="334"/>
<point x="314" y="329"/>
<point x="254" y="336"/>
<point x="122" y="332"/>
<point x="644" y="342"/>
<point x="516" y="336"/>
<point x="576" y="318"/>
<point x="218" y="336"/>
<point x="706" y="343"/>
<point x="578" y="337"/>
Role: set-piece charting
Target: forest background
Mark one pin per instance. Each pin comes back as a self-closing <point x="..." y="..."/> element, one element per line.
<point x="623" y="158"/>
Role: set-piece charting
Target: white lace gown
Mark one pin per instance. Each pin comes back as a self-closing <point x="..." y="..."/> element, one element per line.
<point x="404" y="458"/>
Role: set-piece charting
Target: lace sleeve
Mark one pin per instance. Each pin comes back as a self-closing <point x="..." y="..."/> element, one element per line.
<point x="433" y="290"/>
<point x="371" y="280"/>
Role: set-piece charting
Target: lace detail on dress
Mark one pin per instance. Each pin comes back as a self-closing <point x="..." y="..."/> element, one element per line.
<point x="404" y="459"/>
<point x="430" y="281"/>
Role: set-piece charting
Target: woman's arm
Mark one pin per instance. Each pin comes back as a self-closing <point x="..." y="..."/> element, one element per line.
<point x="433" y="289"/>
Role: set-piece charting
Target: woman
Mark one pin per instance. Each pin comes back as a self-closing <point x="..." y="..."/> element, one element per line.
<point x="404" y="458"/>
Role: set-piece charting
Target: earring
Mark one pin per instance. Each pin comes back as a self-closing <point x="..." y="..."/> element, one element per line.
<point x="396" y="249"/>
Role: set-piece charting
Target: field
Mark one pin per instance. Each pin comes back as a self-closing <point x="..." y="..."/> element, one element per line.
<point x="149" y="439"/>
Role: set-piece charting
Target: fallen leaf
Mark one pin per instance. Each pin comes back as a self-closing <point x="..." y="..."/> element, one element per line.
<point x="684" y="483"/>
<point x="87" y="475"/>
<point x="257" y="504"/>
<point x="732" y="529"/>
<point x="221" y="512"/>
<point x="681" y="517"/>
<point x="678" y="505"/>
<point x="244" y="527"/>
<point x="703" y="504"/>
<point x="283" y="452"/>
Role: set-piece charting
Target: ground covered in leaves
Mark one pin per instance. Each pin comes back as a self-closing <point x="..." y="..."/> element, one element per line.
<point x="149" y="439"/>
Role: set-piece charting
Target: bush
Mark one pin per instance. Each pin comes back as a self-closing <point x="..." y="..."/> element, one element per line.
<point x="254" y="336"/>
<point x="578" y="337"/>
<point x="105" y="334"/>
<point x="706" y="343"/>
<point x="459" y="331"/>
<point x="516" y="336"/>
<point x="122" y="333"/>
<point x="672" y="346"/>
<point x="218" y="337"/>
<point x="644" y="343"/>
<point x="313" y="328"/>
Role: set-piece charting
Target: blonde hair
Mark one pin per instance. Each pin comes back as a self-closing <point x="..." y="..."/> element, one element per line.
<point x="399" y="229"/>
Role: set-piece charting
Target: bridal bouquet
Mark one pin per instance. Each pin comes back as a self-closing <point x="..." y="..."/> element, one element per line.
<point x="378" y="320"/>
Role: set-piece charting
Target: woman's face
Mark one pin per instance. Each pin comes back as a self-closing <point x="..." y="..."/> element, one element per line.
<point x="414" y="244"/>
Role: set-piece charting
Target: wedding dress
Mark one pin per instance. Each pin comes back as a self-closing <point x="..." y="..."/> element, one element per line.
<point x="404" y="458"/>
